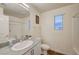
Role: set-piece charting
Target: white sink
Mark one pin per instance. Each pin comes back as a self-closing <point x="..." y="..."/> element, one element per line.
<point x="22" y="45"/>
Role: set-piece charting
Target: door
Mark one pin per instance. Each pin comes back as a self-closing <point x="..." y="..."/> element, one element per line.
<point x="75" y="32"/>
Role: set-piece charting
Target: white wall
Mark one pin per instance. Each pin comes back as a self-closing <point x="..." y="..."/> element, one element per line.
<point x="26" y="26"/>
<point x="35" y="28"/>
<point x="59" y="41"/>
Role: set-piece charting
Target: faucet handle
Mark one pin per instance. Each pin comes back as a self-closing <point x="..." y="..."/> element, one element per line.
<point x="30" y="36"/>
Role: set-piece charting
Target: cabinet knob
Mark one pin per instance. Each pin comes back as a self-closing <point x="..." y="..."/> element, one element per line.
<point x="32" y="52"/>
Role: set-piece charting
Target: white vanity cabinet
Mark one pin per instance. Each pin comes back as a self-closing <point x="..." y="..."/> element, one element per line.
<point x="35" y="50"/>
<point x="30" y="52"/>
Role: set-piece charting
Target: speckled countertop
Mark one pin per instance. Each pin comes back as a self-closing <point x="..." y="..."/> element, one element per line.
<point x="7" y="50"/>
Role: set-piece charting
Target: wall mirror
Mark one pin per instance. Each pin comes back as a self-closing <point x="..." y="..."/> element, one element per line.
<point x="18" y="16"/>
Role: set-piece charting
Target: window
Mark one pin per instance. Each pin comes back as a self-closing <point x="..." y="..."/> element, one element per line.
<point x="58" y="22"/>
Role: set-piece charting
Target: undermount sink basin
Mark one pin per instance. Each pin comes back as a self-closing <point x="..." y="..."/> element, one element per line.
<point x="22" y="45"/>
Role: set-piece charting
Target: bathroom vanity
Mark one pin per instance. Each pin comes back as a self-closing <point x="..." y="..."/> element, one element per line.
<point x="34" y="49"/>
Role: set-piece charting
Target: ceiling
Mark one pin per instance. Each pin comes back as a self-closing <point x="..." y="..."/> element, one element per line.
<point x="43" y="7"/>
<point x="14" y="9"/>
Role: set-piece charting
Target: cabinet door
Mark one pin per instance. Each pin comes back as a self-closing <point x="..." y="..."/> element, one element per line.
<point x="28" y="53"/>
<point x="37" y="49"/>
<point x="31" y="52"/>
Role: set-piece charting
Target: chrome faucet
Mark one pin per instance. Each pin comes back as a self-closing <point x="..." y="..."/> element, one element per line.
<point x="26" y="37"/>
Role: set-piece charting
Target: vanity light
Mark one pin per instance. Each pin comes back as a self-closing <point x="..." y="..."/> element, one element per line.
<point x="25" y="6"/>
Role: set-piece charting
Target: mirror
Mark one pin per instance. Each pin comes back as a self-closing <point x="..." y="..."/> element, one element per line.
<point x="19" y="19"/>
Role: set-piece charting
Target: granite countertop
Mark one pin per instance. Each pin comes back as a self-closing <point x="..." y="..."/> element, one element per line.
<point x="7" y="50"/>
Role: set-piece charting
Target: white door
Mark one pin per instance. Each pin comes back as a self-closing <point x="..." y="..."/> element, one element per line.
<point x="75" y="32"/>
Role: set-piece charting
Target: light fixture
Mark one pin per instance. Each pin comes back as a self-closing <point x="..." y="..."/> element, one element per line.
<point x="25" y="6"/>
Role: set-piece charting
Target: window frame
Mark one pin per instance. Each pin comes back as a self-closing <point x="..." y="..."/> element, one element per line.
<point x="61" y="22"/>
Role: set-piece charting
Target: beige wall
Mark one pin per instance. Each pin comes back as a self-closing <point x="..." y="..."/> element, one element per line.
<point x="60" y="41"/>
